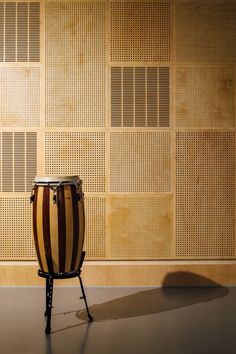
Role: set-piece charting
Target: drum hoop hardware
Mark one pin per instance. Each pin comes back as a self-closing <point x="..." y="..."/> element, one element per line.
<point x="54" y="188"/>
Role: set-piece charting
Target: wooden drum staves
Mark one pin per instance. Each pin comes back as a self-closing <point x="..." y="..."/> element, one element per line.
<point x="58" y="223"/>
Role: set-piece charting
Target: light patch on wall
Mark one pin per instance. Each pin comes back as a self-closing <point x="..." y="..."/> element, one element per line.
<point x="19" y="97"/>
<point x="205" y="96"/>
<point x="141" y="226"/>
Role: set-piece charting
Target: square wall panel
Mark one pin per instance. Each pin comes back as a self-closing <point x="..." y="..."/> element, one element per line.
<point x="205" y="194"/>
<point x="75" y="64"/>
<point x="141" y="226"/>
<point x="16" y="240"/>
<point x="140" y="31"/>
<point x="95" y="226"/>
<point x="140" y="162"/>
<point x="19" y="97"/>
<point x="77" y="153"/>
<point x="205" y="96"/>
<point x="205" y="32"/>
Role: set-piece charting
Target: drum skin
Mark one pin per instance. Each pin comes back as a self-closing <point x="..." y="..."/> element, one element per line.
<point x="58" y="228"/>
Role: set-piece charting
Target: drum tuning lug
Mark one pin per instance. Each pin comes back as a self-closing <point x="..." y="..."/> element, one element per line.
<point x="32" y="198"/>
<point x="54" y="199"/>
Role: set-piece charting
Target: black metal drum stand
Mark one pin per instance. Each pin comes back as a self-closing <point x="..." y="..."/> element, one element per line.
<point x="49" y="291"/>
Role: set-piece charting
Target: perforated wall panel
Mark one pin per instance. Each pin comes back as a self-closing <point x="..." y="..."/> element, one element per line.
<point x="95" y="227"/>
<point x="19" y="97"/>
<point x="18" y="161"/>
<point x="140" y="31"/>
<point x="205" y="96"/>
<point x="20" y="31"/>
<point x="205" y="203"/>
<point x="75" y="64"/>
<point x="140" y="162"/>
<point x="205" y="32"/>
<point x="140" y="96"/>
<point x="16" y="242"/>
<point x="141" y="226"/>
<point x="77" y="153"/>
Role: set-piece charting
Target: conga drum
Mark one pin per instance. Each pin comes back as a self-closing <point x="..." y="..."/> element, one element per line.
<point x="58" y="223"/>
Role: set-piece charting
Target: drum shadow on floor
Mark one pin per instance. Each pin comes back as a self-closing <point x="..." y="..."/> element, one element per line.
<point x="167" y="298"/>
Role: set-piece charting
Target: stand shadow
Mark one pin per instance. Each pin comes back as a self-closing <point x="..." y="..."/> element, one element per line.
<point x="167" y="298"/>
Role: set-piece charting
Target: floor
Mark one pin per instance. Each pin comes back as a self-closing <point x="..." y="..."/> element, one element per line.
<point x="126" y="321"/>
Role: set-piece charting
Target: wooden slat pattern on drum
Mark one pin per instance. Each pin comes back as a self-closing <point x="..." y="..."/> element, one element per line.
<point x="77" y="153"/>
<point x="54" y="233"/>
<point x="40" y="229"/>
<point x="140" y="162"/>
<point x="75" y="64"/>
<point x="69" y="226"/>
<point x="95" y="227"/>
<point x="205" y="96"/>
<point x="19" y="97"/>
<point x="205" y="205"/>
<point x="140" y="97"/>
<point x="140" y="31"/>
<point x="16" y="241"/>
<point x="205" y="32"/>
<point x="141" y="226"/>
<point x="20" y="31"/>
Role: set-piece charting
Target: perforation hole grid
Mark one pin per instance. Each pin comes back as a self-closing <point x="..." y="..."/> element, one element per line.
<point x="77" y="153"/>
<point x="141" y="226"/>
<point x="95" y="227"/>
<point x="75" y="64"/>
<point x="205" y="204"/>
<point x="140" y="31"/>
<point x="140" y="162"/>
<point x="20" y="97"/>
<point x="15" y="229"/>
<point x="205" y="96"/>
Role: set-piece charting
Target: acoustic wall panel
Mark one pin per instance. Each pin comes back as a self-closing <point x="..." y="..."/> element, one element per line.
<point x="18" y="161"/>
<point x="140" y="97"/>
<point x="205" y="31"/>
<point x="205" y="204"/>
<point x="140" y="31"/>
<point x="95" y="226"/>
<point x="75" y="64"/>
<point x="19" y="97"/>
<point x="77" y="153"/>
<point x="205" y="96"/>
<point x="141" y="226"/>
<point x="140" y="162"/>
<point x="16" y="242"/>
<point x="20" y="31"/>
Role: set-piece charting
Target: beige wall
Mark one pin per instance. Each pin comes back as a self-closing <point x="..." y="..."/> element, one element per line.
<point x="138" y="99"/>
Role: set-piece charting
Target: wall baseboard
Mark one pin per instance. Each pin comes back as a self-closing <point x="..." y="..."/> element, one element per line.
<point x="135" y="273"/>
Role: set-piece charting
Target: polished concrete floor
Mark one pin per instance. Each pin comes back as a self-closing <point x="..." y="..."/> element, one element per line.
<point x="126" y="321"/>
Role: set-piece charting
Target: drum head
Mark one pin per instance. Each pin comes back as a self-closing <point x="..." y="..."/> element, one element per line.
<point x="56" y="179"/>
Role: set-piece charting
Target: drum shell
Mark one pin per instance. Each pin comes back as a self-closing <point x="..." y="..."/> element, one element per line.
<point x="58" y="228"/>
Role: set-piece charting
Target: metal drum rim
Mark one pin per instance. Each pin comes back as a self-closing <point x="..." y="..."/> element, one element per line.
<point x="56" y="179"/>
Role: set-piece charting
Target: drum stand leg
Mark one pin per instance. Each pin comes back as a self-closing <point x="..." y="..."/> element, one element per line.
<point x="48" y="311"/>
<point x="84" y="297"/>
<point x="82" y="287"/>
